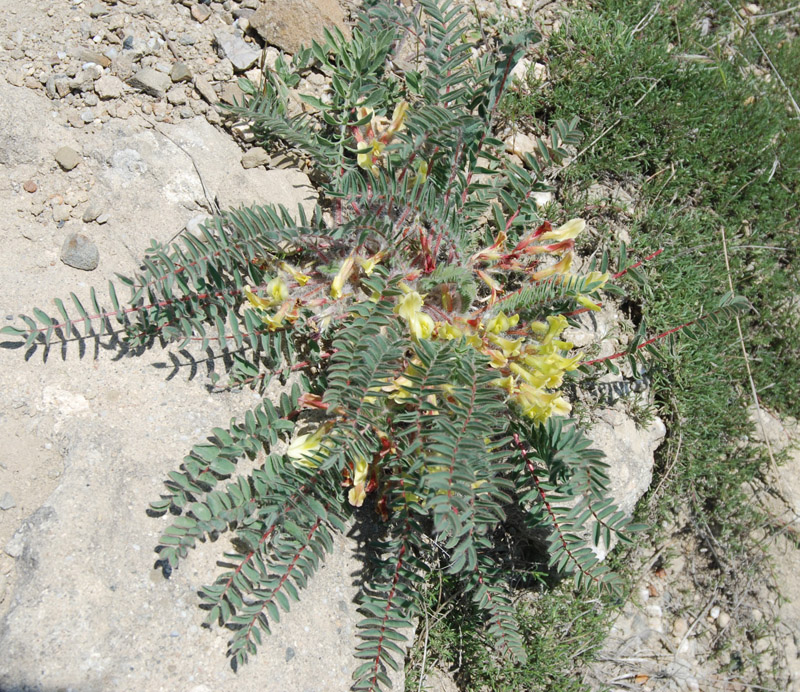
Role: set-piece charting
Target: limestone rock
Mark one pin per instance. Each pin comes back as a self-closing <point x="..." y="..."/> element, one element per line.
<point x="255" y="157"/>
<point x="80" y="252"/>
<point x="233" y="47"/>
<point x="151" y="82"/>
<point x="294" y="23"/>
<point x="67" y="158"/>
<point x="109" y="87"/>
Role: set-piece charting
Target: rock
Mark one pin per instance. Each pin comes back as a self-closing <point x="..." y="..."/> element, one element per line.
<point x="629" y="450"/>
<point x="93" y="57"/>
<point x="177" y="96"/>
<point x="679" y="628"/>
<point x="233" y="47"/>
<point x="255" y="157"/>
<point x="205" y="89"/>
<point x="542" y="198"/>
<point x="521" y="144"/>
<point x="436" y="680"/>
<point x="109" y="87"/>
<point x="67" y="158"/>
<point x="30" y="186"/>
<point x="151" y="82"/>
<point x="92" y="212"/>
<point x="231" y="94"/>
<point x="98" y="9"/>
<point x="723" y="620"/>
<point x="294" y="23"/>
<point x="180" y="73"/>
<point x="61" y="212"/>
<point x="80" y="252"/>
<point x="87" y="115"/>
<point x="7" y="501"/>
<point x="103" y="218"/>
<point x="201" y="12"/>
<point x="520" y="71"/>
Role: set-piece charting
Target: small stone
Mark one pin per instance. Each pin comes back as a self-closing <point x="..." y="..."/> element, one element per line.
<point x="151" y="82"/>
<point x="653" y="611"/>
<point x="98" y="9"/>
<point x="87" y="115"/>
<point x="255" y="157"/>
<point x="92" y="212"/>
<point x="714" y="612"/>
<point x="16" y="545"/>
<point x="80" y="252"/>
<point x="679" y="628"/>
<point x="193" y="225"/>
<point x="61" y="212"/>
<point x="7" y="502"/>
<point x="90" y="99"/>
<point x="542" y="198"/>
<point x="177" y="96"/>
<point x="231" y="94"/>
<point x="15" y="77"/>
<point x="91" y="56"/>
<point x="30" y="186"/>
<point x="205" y="89"/>
<point x="180" y="73"/>
<point x="201" y="13"/>
<point x="109" y="87"/>
<point x="103" y="218"/>
<point x="723" y="620"/>
<point x="233" y="47"/>
<point x="67" y="158"/>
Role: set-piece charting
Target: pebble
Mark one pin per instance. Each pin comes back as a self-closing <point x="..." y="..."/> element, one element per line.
<point x="92" y="212"/>
<point x="80" y="252"/>
<point x="61" y="212"/>
<point x="67" y="158"/>
<point x="714" y="612"/>
<point x="30" y="186"/>
<point x="7" y="501"/>
<point x="255" y="157"/>
<point x="205" y="89"/>
<point x="177" y="96"/>
<point x="103" y="218"/>
<point x="180" y="73"/>
<point x="90" y="99"/>
<point x="653" y="611"/>
<point x="201" y="13"/>
<point x="723" y="620"/>
<point x="109" y="87"/>
<point x="150" y="82"/>
<point x="87" y="115"/>
<point x="679" y="627"/>
<point x="233" y="47"/>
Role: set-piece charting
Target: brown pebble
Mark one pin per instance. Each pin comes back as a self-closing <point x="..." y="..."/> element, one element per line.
<point x="30" y="186"/>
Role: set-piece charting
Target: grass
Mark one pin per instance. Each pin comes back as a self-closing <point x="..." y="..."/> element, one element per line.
<point x="695" y="122"/>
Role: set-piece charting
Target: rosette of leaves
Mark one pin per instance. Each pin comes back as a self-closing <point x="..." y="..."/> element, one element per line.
<point x="414" y="326"/>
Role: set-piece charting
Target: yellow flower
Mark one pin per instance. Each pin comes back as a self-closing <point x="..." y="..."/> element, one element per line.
<point x="511" y="347"/>
<point x="539" y="404"/>
<point x="369" y="153"/>
<point x="357" y="493"/>
<point x="341" y="277"/>
<point x="597" y="276"/>
<point x="560" y="267"/>
<point x="410" y="309"/>
<point x="303" y="448"/>
<point x="555" y="325"/>
<point x="278" y="290"/>
<point x="299" y="277"/>
<point x="398" y="118"/>
<point x="368" y="265"/>
<point x="501" y="323"/>
<point x="587" y="303"/>
<point x="569" y="230"/>
<point x="447" y="331"/>
<point x="256" y="301"/>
